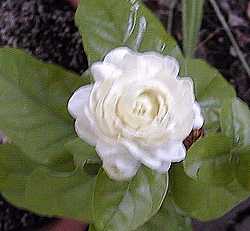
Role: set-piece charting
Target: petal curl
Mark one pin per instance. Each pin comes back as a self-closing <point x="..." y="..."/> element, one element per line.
<point x="79" y="100"/>
<point x="142" y="155"/>
<point x="181" y="110"/>
<point x="149" y="64"/>
<point x="172" y="151"/>
<point x="165" y="166"/>
<point x="142" y="65"/>
<point x="85" y="128"/>
<point x="117" y="162"/>
<point x="171" y="67"/>
<point x="117" y="55"/>
<point x="102" y="71"/>
<point x="198" y="120"/>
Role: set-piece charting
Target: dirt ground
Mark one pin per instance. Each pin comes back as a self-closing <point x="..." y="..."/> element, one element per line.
<point x="45" y="28"/>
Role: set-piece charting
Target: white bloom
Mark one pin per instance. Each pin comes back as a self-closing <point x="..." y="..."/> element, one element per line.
<point x="137" y="111"/>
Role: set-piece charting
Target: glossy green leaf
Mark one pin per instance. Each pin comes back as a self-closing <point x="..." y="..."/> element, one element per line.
<point x="167" y="219"/>
<point x="82" y="152"/>
<point x="211" y="90"/>
<point x="105" y="25"/>
<point x="209" y="160"/>
<point x="66" y="194"/>
<point x="235" y="121"/>
<point x="33" y="103"/>
<point x="201" y="200"/>
<point x="242" y="155"/>
<point x="192" y="12"/>
<point x="124" y="206"/>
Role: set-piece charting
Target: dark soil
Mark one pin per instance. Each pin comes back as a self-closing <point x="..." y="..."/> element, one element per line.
<point x="45" y="28"/>
<point x="15" y="220"/>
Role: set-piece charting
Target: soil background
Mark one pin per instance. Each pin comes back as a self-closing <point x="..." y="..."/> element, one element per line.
<point x="45" y="28"/>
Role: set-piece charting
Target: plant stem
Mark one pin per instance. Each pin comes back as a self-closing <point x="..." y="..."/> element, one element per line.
<point x="231" y="36"/>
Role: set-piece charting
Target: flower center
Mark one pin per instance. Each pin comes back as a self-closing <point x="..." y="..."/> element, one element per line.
<point x="137" y="109"/>
<point x="146" y="105"/>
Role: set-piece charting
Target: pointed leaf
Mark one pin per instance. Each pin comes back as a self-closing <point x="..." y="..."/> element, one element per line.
<point x="105" y="25"/>
<point x="192" y="12"/>
<point x="124" y="206"/>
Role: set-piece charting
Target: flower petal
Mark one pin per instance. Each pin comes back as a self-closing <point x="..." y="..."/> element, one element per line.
<point x="102" y="71"/>
<point x="149" y="64"/>
<point x="85" y="128"/>
<point x="172" y="151"/>
<point x="142" y="66"/>
<point x="171" y="67"/>
<point x="78" y="100"/>
<point x="181" y="110"/>
<point x="198" y="120"/>
<point x="142" y="155"/>
<point x="117" y="162"/>
<point x="117" y="55"/>
<point x="165" y="166"/>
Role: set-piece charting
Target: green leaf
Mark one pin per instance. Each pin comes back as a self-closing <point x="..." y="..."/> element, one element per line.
<point x="211" y="90"/>
<point x="243" y="166"/>
<point x="235" y="121"/>
<point x="15" y="167"/>
<point x="203" y="201"/>
<point x="91" y="228"/>
<point x="33" y="103"/>
<point x="209" y="83"/>
<point x="61" y="194"/>
<point x="105" y="25"/>
<point x="167" y="219"/>
<point x="124" y="206"/>
<point x="192" y="12"/>
<point x="82" y="152"/>
<point x="50" y="193"/>
<point x="209" y="160"/>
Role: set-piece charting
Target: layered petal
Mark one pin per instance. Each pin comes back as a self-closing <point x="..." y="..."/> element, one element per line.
<point x="117" y="162"/>
<point x="85" y="128"/>
<point x="102" y="71"/>
<point x="117" y="55"/>
<point x="172" y="151"/>
<point x="141" y="154"/>
<point x="137" y="111"/>
<point x="79" y="100"/>
<point x="165" y="166"/>
<point x="171" y="67"/>
<point x="159" y="158"/>
<point x="198" y="119"/>
<point x="181" y="110"/>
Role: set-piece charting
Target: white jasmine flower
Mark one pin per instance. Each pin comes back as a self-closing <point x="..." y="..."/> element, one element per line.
<point x="137" y="112"/>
